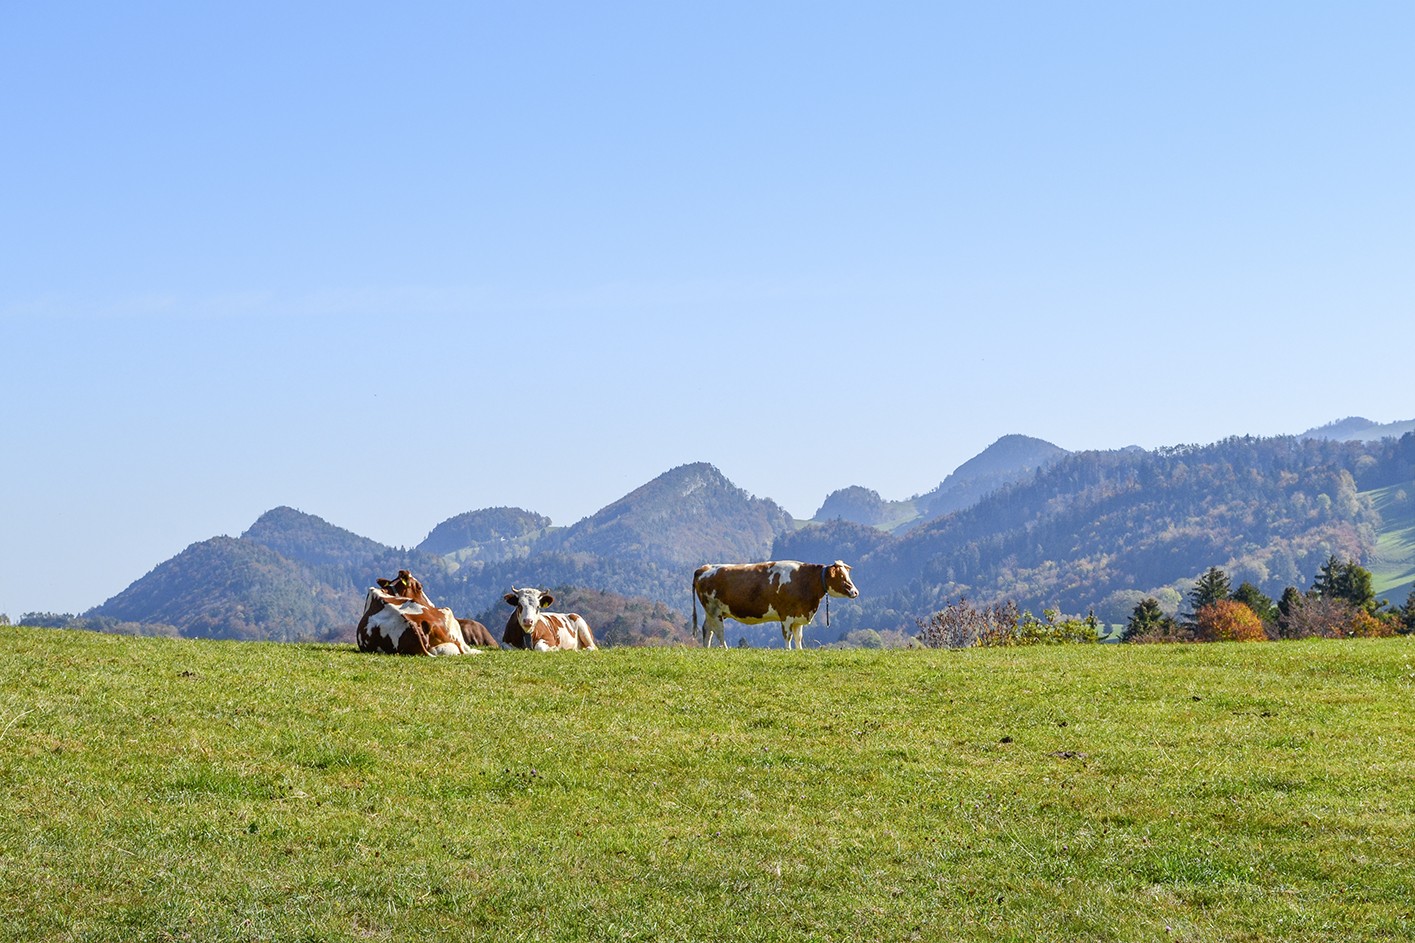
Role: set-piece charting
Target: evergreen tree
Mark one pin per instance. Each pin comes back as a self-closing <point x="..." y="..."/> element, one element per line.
<point x="1349" y="582"/>
<point x="1211" y="587"/>
<point x="1254" y="599"/>
<point x="1287" y="607"/>
<point x="1145" y="619"/>
<point x="1407" y="613"/>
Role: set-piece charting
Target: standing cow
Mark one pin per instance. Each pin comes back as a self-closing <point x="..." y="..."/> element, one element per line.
<point x="529" y="627"/>
<point x="784" y="591"/>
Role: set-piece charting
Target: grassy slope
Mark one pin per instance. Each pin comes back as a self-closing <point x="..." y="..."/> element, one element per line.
<point x="1393" y="563"/>
<point x="169" y="789"/>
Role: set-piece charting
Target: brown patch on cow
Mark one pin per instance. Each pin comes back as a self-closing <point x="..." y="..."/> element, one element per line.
<point x="749" y="590"/>
<point x="423" y="628"/>
<point x="837" y="580"/>
<point x="474" y="633"/>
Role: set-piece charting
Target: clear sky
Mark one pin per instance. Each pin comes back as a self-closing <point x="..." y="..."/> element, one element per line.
<point x="387" y="263"/>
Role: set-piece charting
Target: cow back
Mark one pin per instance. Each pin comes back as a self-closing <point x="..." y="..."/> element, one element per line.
<point x="474" y="633"/>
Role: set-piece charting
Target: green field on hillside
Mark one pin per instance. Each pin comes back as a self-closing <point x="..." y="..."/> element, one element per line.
<point x="1393" y="561"/>
<point x="160" y="789"/>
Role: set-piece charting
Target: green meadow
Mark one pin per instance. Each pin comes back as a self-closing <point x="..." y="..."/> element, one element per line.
<point x="1393" y="559"/>
<point x="158" y="789"/>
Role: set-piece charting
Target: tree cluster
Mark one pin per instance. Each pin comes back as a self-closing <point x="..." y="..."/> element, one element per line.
<point x="1340" y="604"/>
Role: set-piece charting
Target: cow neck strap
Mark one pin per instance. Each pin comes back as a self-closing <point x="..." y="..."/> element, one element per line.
<point x="826" y="589"/>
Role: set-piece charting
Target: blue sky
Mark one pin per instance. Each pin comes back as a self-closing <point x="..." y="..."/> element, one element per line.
<point x="388" y="263"/>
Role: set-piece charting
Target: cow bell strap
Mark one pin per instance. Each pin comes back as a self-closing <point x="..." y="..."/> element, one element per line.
<point x="826" y="589"/>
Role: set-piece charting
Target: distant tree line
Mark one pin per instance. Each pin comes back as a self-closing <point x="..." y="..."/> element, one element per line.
<point x="1341" y="603"/>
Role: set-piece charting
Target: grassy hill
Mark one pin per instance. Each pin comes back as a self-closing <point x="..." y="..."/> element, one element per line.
<point x="1392" y="563"/>
<point x="160" y="789"/>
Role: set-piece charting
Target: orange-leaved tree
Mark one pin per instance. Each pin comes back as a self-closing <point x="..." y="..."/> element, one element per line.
<point x="1227" y="621"/>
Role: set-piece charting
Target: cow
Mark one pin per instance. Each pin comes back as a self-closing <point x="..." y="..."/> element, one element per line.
<point x="529" y="627"/>
<point x="399" y="619"/>
<point x="474" y="633"/>
<point x="784" y="591"/>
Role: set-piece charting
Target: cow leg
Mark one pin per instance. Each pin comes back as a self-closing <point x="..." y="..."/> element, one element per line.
<point x="796" y="632"/>
<point x="786" y="635"/>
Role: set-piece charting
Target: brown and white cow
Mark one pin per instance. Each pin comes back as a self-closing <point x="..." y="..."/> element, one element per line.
<point x="784" y="591"/>
<point x="529" y="627"/>
<point x="399" y="619"/>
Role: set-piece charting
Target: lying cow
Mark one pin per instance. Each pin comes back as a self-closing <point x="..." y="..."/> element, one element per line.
<point x="399" y="619"/>
<point x="474" y="633"/>
<point x="785" y="591"/>
<point x="529" y="627"/>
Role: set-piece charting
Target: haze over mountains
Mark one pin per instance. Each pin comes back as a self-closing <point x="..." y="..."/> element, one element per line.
<point x="1023" y="520"/>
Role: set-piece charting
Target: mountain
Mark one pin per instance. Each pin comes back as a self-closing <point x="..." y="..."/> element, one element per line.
<point x="862" y="505"/>
<point x="1037" y="525"/>
<point x="689" y="515"/>
<point x="234" y="589"/>
<point x="1359" y="429"/>
<point x="490" y="534"/>
<point x="1010" y="459"/>
<point x="311" y="540"/>
<point x="1095" y="529"/>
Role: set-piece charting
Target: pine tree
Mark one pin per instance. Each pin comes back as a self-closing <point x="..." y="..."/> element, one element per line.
<point x="1347" y="581"/>
<point x="1287" y="607"/>
<point x="1407" y="613"/>
<point x="1147" y="618"/>
<point x="1211" y="587"/>
<point x="1254" y="599"/>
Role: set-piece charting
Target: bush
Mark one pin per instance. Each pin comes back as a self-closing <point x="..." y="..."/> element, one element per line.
<point x="962" y="625"/>
<point x="1227" y="621"/>
<point x="1318" y="617"/>
<point x="1365" y="625"/>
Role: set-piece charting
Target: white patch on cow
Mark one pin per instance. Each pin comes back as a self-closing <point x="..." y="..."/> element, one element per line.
<point x="451" y="648"/>
<point x="390" y="623"/>
<point x="781" y="573"/>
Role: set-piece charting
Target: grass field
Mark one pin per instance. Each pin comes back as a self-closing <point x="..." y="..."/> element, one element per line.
<point x="182" y="790"/>
<point x="1393" y="561"/>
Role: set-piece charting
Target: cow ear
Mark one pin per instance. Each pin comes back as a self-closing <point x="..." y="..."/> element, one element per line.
<point x="546" y="599"/>
<point x="511" y="599"/>
<point x="383" y="583"/>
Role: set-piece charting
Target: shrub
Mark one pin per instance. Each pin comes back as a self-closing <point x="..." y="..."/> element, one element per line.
<point x="1318" y="617"/>
<point x="1227" y="621"/>
<point x="962" y="625"/>
<point x="1365" y="625"/>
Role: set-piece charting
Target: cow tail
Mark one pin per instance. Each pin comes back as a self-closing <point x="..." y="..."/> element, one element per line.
<point x="695" y="603"/>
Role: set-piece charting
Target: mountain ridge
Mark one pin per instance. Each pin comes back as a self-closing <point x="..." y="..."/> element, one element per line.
<point x="1069" y="529"/>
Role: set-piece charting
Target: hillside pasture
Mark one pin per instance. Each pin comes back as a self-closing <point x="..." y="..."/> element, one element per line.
<point x="159" y="789"/>
<point x="1393" y="560"/>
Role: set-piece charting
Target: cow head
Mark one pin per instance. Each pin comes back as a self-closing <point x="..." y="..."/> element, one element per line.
<point x="837" y="581"/>
<point x="528" y="603"/>
<point x="405" y="585"/>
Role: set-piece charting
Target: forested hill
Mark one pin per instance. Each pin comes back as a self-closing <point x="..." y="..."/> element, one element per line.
<point x="1010" y="459"/>
<point x="685" y="516"/>
<point x="1101" y="529"/>
<point x="1081" y="530"/>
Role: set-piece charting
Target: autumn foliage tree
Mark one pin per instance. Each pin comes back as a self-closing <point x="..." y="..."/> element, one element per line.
<point x="1225" y="620"/>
